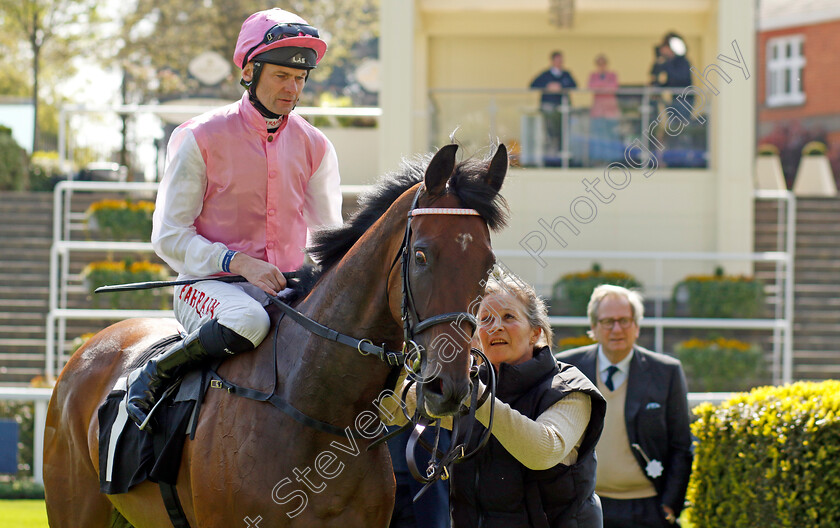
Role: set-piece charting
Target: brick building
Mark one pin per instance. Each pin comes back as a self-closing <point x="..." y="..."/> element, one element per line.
<point x="798" y="45"/>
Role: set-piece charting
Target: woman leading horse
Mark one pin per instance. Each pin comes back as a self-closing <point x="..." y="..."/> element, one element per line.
<point x="416" y="253"/>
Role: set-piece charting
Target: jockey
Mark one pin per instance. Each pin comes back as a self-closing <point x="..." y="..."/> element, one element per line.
<point x="242" y="186"/>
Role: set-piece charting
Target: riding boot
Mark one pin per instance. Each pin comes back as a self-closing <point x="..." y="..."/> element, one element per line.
<point x="146" y="383"/>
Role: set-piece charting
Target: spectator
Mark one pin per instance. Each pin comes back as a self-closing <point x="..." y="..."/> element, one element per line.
<point x="538" y="468"/>
<point x="604" y="113"/>
<point x="644" y="454"/>
<point x="432" y="509"/>
<point x="554" y="82"/>
<point x="671" y="69"/>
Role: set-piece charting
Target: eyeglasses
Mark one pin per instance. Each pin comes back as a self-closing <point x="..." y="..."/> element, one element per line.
<point x="281" y="31"/>
<point x="624" y="322"/>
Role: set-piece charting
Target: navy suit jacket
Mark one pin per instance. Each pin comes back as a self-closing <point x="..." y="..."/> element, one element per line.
<point x="555" y="98"/>
<point x="656" y="415"/>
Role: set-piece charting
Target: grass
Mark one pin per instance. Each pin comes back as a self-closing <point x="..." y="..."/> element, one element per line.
<point x="33" y="514"/>
<point x="23" y="513"/>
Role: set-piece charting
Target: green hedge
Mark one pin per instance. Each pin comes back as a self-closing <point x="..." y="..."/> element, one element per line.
<point x="768" y="458"/>
<point x="20" y="489"/>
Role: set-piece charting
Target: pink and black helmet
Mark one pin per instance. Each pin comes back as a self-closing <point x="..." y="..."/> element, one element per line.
<point x="279" y="37"/>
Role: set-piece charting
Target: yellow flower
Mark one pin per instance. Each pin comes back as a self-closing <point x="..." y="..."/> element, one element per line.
<point x="103" y="265"/>
<point x="574" y="342"/>
<point x="146" y="266"/>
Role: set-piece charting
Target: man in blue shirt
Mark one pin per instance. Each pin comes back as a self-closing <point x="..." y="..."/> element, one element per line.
<point x="553" y="82"/>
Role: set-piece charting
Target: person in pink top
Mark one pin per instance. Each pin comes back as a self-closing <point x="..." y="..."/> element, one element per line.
<point x="243" y="185"/>
<point x="604" y="112"/>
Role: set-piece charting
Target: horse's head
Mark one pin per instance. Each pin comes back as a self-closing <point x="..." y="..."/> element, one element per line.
<point x="445" y="261"/>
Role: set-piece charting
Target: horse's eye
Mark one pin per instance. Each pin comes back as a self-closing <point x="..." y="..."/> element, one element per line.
<point x="419" y="257"/>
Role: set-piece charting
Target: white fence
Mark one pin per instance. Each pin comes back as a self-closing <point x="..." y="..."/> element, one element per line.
<point x="40" y="397"/>
<point x="781" y="323"/>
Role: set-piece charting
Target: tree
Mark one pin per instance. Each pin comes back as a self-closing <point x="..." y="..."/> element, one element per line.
<point x="12" y="162"/>
<point x="65" y="25"/>
<point x="160" y="37"/>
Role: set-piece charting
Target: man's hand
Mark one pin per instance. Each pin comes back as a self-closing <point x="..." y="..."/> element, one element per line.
<point x="261" y="274"/>
<point x="553" y="86"/>
<point x="669" y="514"/>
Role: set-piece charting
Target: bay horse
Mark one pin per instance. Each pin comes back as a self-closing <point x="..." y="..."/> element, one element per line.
<point x="252" y="465"/>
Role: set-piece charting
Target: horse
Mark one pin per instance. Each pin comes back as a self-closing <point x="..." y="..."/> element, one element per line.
<point x="249" y="464"/>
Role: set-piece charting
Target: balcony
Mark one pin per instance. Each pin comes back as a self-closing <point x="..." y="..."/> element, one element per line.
<point x="649" y="121"/>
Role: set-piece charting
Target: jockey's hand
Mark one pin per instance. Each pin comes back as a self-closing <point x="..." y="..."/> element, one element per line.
<point x="261" y="274"/>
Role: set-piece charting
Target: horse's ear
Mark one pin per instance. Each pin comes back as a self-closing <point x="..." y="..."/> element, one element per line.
<point x="440" y="169"/>
<point x="498" y="168"/>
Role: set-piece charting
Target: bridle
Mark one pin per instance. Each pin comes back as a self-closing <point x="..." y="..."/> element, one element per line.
<point x="412" y="326"/>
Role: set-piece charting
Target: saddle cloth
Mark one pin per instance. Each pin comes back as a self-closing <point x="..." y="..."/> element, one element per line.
<point x="129" y="456"/>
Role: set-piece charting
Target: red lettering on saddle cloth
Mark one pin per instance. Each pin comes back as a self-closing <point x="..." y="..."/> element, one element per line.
<point x="185" y="293"/>
<point x="200" y="296"/>
<point x="207" y="307"/>
<point x="199" y="301"/>
<point x="192" y="297"/>
<point x="213" y="309"/>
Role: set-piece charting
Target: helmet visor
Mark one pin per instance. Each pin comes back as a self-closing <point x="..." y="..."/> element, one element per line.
<point x="281" y="31"/>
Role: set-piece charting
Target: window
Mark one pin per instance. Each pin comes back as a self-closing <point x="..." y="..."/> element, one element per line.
<point x="785" y="63"/>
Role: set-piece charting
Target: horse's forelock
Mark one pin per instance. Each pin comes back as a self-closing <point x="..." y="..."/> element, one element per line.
<point x="467" y="183"/>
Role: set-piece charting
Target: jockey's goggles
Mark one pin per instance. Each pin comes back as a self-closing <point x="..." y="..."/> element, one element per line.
<point x="281" y="31"/>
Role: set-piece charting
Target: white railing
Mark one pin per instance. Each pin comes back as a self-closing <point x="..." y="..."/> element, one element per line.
<point x="516" y="113"/>
<point x="781" y="324"/>
<point x="181" y="112"/>
<point x="41" y="398"/>
<point x="65" y="221"/>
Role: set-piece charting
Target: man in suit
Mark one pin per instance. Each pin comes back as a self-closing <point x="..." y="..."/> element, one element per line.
<point x="644" y="454"/>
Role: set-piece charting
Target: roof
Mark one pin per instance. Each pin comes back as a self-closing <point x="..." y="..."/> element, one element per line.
<point x="779" y="14"/>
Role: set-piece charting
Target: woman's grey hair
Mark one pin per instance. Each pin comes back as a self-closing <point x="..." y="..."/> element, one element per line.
<point x="533" y="305"/>
<point x="606" y="290"/>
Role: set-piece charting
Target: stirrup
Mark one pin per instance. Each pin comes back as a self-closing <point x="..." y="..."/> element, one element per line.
<point x="168" y="392"/>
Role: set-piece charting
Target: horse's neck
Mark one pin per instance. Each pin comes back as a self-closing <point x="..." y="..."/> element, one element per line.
<point x="351" y="298"/>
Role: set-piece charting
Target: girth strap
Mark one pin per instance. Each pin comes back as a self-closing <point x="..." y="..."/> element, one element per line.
<point x="168" y="492"/>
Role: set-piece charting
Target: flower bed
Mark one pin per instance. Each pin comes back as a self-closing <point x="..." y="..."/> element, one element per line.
<point x="720" y="365"/>
<point x="108" y="272"/>
<point x="570" y="294"/>
<point x="568" y="343"/>
<point x="120" y="219"/>
<point x="720" y="295"/>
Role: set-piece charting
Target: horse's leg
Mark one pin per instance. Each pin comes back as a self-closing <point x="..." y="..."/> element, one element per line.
<point x="71" y="482"/>
<point x="71" y="441"/>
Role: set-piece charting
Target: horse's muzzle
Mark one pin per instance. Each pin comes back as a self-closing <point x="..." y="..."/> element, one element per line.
<point x="443" y="396"/>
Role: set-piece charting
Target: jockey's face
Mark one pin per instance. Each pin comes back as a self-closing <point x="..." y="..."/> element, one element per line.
<point x="279" y="87"/>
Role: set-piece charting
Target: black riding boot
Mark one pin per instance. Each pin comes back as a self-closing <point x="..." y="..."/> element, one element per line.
<point x="146" y="383"/>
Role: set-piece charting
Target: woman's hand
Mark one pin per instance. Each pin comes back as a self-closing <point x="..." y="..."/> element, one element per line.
<point x="261" y="274"/>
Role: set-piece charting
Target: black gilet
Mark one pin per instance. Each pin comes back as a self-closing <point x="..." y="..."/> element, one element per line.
<point x="493" y="489"/>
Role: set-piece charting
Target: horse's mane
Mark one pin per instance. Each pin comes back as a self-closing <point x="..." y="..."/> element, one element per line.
<point x="330" y="245"/>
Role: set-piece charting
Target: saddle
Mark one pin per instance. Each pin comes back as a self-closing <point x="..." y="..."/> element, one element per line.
<point x="129" y="456"/>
